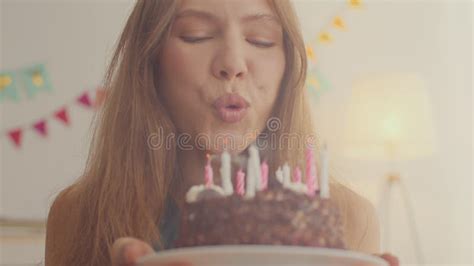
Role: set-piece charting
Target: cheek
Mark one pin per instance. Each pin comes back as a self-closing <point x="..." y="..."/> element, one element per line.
<point x="180" y="66"/>
<point x="269" y="70"/>
<point x="269" y="74"/>
<point x="183" y="70"/>
<point x="180" y="82"/>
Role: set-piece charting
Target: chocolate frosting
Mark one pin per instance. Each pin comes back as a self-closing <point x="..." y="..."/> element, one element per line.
<point x="276" y="216"/>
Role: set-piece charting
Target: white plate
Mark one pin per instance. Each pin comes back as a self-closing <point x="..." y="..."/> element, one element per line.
<point x="247" y="255"/>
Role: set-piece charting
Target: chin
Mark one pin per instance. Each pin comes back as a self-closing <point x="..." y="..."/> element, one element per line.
<point x="230" y="141"/>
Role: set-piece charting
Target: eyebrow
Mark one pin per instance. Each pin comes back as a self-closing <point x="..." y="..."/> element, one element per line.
<point x="212" y="17"/>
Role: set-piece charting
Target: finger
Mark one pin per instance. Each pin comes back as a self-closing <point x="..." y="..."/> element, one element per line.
<point x="134" y="250"/>
<point x="176" y="264"/>
<point x="179" y="263"/>
<point x="126" y="251"/>
<point x="392" y="260"/>
<point x="116" y="253"/>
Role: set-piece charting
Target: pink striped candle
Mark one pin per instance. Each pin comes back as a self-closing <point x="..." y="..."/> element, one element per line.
<point x="240" y="186"/>
<point x="264" y="175"/>
<point x="297" y="175"/>
<point x="315" y="176"/>
<point x="208" y="174"/>
<point x="311" y="173"/>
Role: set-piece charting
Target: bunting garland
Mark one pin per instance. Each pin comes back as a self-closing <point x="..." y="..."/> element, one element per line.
<point x="40" y="127"/>
<point x="61" y="114"/>
<point x="84" y="100"/>
<point x="15" y="136"/>
<point x="32" y="79"/>
<point x="99" y="97"/>
<point x="36" y="79"/>
<point x="8" y="88"/>
<point x="315" y="81"/>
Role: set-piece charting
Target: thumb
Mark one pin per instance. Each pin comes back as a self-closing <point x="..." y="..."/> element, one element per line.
<point x="127" y="250"/>
<point x="392" y="260"/>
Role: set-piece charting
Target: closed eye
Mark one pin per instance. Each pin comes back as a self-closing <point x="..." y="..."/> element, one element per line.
<point x="192" y="39"/>
<point x="261" y="44"/>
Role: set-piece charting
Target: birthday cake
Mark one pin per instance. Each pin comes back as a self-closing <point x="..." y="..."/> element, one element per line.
<point x="290" y="213"/>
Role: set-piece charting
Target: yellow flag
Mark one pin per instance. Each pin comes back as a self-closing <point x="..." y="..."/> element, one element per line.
<point x="355" y="3"/>
<point x="313" y="81"/>
<point x="5" y="81"/>
<point x="310" y="53"/>
<point x="37" y="79"/>
<point x="338" y="23"/>
<point x="324" y="37"/>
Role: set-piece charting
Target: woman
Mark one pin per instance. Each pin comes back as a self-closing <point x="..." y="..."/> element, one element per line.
<point x="194" y="67"/>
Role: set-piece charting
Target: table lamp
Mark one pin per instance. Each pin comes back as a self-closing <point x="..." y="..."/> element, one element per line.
<point x="389" y="118"/>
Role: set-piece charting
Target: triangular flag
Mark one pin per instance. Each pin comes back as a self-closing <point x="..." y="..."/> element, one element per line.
<point x="15" y="136"/>
<point x="323" y="83"/>
<point x="339" y="23"/>
<point x="62" y="115"/>
<point x="312" y="81"/>
<point x="100" y="95"/>
<point x="40" y="127"/>
<point x="84" y="99"/>
<point x="7" y="86"/>
<point x="36" y="78"/>
<point x="355" y="3"/>
<point x="316" y="83"/>
<point x="310" y="53"/>
<point x="325" y="37"/>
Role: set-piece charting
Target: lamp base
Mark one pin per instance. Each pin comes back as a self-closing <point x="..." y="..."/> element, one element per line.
<point x="394" y="181"/>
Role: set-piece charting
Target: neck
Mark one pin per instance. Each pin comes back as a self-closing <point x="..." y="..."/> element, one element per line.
<point x="191" y="166"/>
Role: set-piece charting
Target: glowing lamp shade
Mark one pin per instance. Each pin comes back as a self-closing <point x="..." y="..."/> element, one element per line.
<point x="389" y="117"/>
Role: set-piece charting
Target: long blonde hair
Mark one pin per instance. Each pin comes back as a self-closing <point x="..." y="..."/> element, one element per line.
<point x="125" y="183"/>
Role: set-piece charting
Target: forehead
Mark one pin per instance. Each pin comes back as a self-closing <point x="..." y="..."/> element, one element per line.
<point x="222" y="10"/>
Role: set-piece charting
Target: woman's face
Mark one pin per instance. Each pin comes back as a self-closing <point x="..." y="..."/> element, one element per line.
<point x="221" y="69"/>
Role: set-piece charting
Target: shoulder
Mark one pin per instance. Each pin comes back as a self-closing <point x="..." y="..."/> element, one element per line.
<point x="361" y="222"/>
<point x="61" y="218"/>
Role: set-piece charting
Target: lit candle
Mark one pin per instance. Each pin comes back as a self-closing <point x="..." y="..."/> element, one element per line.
<point x="264" y="175"/>
<point x="297" y="175"/>
<point x="240" y="182"/>
<point x="324" y="193"/>
<point x="208" y="174"/>
<point x="226" y="173"/>
<point x="286" y="175"/>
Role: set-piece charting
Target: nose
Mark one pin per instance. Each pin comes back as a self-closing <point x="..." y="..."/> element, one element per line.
<point x="229" y="62"/>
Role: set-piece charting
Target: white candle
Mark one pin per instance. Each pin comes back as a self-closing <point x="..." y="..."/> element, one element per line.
<point x="324" y="190"/>
<point x="286" y="175"/>
<point x="255" y="161"/>
<point x="279" y="175"/>
<point x="226" y="173"/>
<point x="251" y="181"/>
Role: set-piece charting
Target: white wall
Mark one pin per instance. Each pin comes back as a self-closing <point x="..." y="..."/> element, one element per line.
<point x="432" y="38"/>
<point x="73" y="39"/>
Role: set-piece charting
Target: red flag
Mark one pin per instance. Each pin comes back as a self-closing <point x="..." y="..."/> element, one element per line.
<point x="85" y="100"/>
<point x="15" y="136"/>
<point x="40" y="127"/>
<point x="62" y="115"/>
